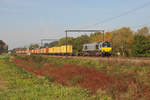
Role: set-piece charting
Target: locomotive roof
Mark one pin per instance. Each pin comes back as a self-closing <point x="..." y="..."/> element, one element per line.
<point x="94" y="43"/>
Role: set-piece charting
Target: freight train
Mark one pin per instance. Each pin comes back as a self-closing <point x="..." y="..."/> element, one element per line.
<point x="90" y="49"/>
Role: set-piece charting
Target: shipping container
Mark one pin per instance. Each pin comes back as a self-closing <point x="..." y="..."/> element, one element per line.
<point x="69" y="49"/>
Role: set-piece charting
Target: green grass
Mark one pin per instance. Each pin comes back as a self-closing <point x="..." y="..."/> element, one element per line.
<point x="23" y="85"/>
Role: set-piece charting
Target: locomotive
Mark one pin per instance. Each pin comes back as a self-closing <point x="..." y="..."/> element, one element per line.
<point x="97" y="49"/>
<point x="90" y="49"/>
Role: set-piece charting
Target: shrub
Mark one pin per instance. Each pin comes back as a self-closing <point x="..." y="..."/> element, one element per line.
<point x="141" y="46"/>
<point x="50" y="78"/>
<point x="76" y="79"/>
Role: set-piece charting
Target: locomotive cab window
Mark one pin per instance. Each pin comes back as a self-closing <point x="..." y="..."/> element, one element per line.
<point x="85" y="47"/>
<point x="106" y="44"/>
<point x="96" y="46"/>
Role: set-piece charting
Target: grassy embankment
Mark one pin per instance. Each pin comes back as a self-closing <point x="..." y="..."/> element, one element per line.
<point x="130" y="79"/>
<point x="18" y="84"/>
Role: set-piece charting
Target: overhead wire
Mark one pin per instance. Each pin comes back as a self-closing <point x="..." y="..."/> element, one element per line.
<point x="120" y="15"/>
<point x="143" y="25"/>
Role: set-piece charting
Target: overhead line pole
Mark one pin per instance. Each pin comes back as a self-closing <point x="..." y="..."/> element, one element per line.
<point x="66" y="42"/>
<point x="103" y="34"/>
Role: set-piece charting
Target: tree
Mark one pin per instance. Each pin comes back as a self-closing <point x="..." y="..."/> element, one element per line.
<point x="79" y="41"/>
<point x="62" y="41"/>
<point x="121" y="40"/>
<point x="108" y="36"/>
<point x="141" y="46"/>
<point x="34" y="46"/>
<point x="143" y="31"/>
<point x="52" y="44"/>
<point x="3" y="47"/>
<point x="96" y="37"/>
<point x="46" y="45"/>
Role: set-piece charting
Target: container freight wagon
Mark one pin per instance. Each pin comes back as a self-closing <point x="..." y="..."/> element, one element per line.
<point x="66" y="50"/>
<point x="51" y="51"/>
<point x="60" y="50"/>
<point x="57" y="50"/>
<point x="47" y="50"/>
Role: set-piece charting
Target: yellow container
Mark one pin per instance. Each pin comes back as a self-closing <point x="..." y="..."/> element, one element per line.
<point x="41" y="51"/>
<point x="32" y="51"/>
<point x="52" y="50"/>
<point x="58" y="50"/>
<point x="69" y="49"/>
<point x="44" y="50"/>
<point x="55" y="49"/>
<point x="49" y="50"/>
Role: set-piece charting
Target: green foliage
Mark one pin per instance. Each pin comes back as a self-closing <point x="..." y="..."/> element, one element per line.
<point x="50" y="78"/>
<point x="58" y="62"/>
<point x="52" y="44"/>
<point x="96" y="37"/>
<point x="37" y="59"/>
<point x="141" y="46"/>
<point x="34" y="46"/>
<point x="121" y="40"/>
<point x="143" y="31"/>
<point x="79" y="41"/>
<point x="3" y="47"/>
<point x="62" y="41"/>
<point x="84" y="62"/>
<point x="6" y="57"/>
<point x="77" y="78"/>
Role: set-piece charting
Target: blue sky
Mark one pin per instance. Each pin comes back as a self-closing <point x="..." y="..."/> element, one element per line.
<point x="23" y="22"/>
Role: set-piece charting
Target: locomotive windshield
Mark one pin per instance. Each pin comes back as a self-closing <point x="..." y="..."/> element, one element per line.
<point x="106" y="44"/>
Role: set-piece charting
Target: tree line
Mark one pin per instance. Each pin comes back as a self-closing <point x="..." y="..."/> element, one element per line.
<point x="124" y="41"/>
<point x="3" y="47"/>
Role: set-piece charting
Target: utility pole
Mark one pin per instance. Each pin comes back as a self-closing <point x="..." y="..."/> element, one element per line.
<point x="103" y="34"/>
<point x="66" y="43"/>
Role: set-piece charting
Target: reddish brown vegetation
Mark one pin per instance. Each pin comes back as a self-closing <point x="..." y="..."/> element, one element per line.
<point x="85" y="77"/>
<point x="88" y="78"/>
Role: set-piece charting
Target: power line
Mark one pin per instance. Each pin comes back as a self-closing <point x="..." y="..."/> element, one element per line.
<point x="123" y="14"/>
<point x="142" y="25"/>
